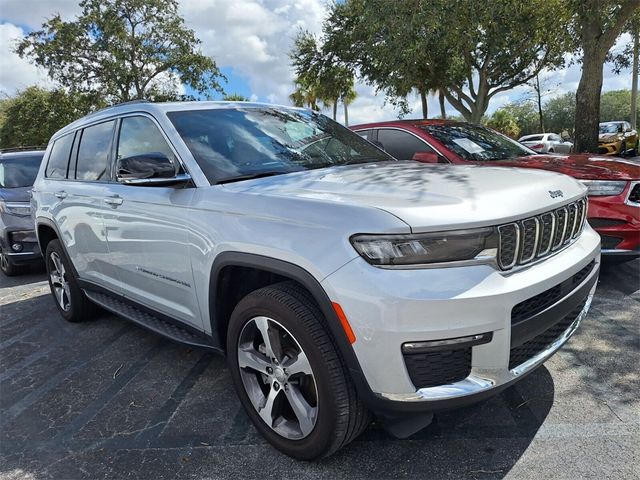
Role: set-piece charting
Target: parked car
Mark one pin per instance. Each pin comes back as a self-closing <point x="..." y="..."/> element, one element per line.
<point x="546" y="143"/>
<point x="614" y="191"/>
<point x="18" y="243"/>
<point x="617" y="138"/>
<point x="338" y="281"/>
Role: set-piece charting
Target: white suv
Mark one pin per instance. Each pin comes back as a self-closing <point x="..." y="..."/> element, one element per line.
<point x="339" y="282"/>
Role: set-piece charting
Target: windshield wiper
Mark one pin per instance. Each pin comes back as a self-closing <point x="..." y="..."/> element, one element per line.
<point x="356" y="160"/>
<point x="251" y="176"/>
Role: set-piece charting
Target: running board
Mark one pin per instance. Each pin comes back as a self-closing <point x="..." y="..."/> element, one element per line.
<point x="151" y="322"/>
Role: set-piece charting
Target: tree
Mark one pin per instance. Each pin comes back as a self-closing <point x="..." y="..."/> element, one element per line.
<point x="124" y="50"/>
<point x="34" y="114"/>
<point x="305" y="96"/>
<point x="315" y="69"/>
<point x="629" y="57"/>
<point x="235" y="97"/>
<point x="407" y="46"/>
<point x="596" y="26"/>
<point x="561" y="113"/>
<point x="524" y="114"/>
<point x="616" y="105"/>
<point x="504" y="122"/>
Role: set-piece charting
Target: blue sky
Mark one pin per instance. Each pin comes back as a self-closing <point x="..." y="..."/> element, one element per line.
<point x="249" y="39"/>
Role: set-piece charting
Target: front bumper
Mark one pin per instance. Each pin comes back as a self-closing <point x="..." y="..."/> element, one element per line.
<point x="388" y="308"/>
<point x="610" y="148"/>
<point x="617" y="223"/>
<point x="30" y="251"/>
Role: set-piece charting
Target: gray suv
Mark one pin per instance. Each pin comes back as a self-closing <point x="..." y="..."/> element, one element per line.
<point x="18" y="242"/>
<point x="339" y="282"/>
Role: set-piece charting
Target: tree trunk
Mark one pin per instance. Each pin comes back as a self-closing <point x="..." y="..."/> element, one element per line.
<point x="634" y="81"/>
<point x="588" y="100"/>
<point x="539" y="103"/>
<point x="335" y="109"/>
<point x="346" y="113"/>
<point x="443" y="112"/>
<point x="425" y="106"/>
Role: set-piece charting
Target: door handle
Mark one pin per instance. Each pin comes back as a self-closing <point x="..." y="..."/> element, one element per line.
<point x="61" y="194"/>
<point x="113" y="201"/>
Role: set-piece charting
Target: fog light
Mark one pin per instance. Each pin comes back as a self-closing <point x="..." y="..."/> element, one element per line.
<point x="16" y="247"/>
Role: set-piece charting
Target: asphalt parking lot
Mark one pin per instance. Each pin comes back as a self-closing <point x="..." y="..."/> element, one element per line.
<point x="106" y="399"/>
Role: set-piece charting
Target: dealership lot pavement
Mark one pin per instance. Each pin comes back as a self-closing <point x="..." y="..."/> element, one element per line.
<point x="106" y="399"/>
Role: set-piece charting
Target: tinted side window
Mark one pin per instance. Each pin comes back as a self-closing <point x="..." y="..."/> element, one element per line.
<point x="59" y="158"/>
<point x="366" y="134"/>
<point x="93" y="154"/>
<point x="139" y="135"/>
<point x="401" y="145"/>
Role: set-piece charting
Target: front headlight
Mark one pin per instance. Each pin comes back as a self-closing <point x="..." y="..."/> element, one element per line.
<point x="15" y="208"/>
<point x="427" y="248"/>
<point x="598" y="188"/>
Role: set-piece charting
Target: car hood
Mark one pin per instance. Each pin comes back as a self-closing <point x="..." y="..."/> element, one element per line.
<point x="609" y="137"/>
<point x="20" y="194"/>
<point x="580" y="166"/>
<point x="425" y="196"/>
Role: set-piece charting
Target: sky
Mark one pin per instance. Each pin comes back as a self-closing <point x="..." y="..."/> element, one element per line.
<point x="250" y="41"/>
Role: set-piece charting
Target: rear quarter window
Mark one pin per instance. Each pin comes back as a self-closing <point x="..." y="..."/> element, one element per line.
<point x="58" y="164"/>
<point x="94" y="152"/>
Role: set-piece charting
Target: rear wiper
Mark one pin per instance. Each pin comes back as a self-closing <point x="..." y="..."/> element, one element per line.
<point x="251" y="176"/>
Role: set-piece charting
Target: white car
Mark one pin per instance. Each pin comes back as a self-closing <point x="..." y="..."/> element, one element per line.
<point x="546" y="143"/>
<point x="338" y="281"/>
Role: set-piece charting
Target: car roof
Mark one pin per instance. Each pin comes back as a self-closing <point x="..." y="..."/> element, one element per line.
<point x="20" y="154"/>
<point x="145" y="106"/>
<point x="417" y="122"/>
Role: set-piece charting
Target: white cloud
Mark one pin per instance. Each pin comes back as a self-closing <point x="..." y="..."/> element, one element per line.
<point x="16" y="73"/>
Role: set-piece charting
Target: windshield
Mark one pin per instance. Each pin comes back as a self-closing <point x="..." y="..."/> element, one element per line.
<point x="476" y="143"/>
<point x="19" y="171"/>
<point x="609" y="128"/>
<point x="239" y="143"/>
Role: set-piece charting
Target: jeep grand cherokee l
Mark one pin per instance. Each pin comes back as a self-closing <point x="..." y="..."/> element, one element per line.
<point x="339" y="282"/>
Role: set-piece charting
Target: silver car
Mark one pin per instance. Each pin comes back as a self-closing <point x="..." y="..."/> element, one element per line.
<point x="546" y="143"/>
<point x="339" y="282"/>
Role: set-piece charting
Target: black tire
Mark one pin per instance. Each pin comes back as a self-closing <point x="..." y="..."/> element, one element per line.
<point x="623" y="149"/>
<point x="8" y="267"/>
<point x="341" y="416"/>
<point x="79" y="308"/>
<point x="551" y="150"/>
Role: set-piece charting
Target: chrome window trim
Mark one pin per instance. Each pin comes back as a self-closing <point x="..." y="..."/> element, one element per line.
<point x="376" y="129"/>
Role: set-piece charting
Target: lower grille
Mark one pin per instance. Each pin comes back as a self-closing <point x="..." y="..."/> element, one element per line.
<point x="530" y="349"/>
<point x="608" y="242"/>
<point x="534" y="305"/>
<point x="431" y="369"/>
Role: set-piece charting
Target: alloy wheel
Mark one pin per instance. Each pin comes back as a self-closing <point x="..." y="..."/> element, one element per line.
<point x="278" y="378"/>
<point x="59" y="283"/>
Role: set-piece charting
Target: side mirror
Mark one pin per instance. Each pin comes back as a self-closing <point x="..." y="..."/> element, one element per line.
<point x="426" y="157"/>
<point x="629" y="130"/>
<point x="153" y="168"/>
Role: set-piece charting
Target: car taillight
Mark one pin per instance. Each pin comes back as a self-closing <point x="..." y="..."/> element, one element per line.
<point x="537" y="146"/>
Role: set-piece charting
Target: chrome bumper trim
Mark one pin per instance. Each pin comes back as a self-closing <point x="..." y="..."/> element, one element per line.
<point x="481" y="380"/>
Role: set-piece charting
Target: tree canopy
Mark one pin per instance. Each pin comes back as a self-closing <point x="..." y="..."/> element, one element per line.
<point x="123" y="50"/>
<point x="34" y="114"/>
<point x="468" y="50"/>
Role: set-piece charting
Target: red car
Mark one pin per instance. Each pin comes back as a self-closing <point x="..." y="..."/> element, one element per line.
<point x="613" y="183"/>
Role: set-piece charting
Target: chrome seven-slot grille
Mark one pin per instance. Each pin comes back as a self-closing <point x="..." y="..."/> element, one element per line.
<point x="527" y="240"/>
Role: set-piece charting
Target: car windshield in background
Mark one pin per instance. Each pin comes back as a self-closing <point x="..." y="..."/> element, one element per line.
<point x="476" y="143"/>
<point x="609" y="128"/>
<point x="19" y="171"/>
<point x="241" y="143"/>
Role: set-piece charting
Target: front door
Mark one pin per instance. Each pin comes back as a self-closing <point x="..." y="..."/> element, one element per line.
<point x="148" y="230"/>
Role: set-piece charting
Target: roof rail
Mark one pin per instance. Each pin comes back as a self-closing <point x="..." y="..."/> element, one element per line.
<point x="130" y="102"/>
<point x="23" y="149"/>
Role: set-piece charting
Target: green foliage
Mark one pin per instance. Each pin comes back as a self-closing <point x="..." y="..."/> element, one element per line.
<point x="235" y="97"/>
<point x="123" y="50"/>
<point x="616" y="105"/>
<point x="468" y="49"/>
<point x="560" y="114"/>
<point x="34" y="114"/>
<point x="318" y="76"/>
<point x="505" y="122"/>
<point x="524" y="114"/>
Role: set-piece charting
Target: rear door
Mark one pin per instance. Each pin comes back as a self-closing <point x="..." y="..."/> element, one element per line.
<point x="148" y="229"/>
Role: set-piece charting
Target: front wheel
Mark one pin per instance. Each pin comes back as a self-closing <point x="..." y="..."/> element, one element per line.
<point x="289" y="375"/>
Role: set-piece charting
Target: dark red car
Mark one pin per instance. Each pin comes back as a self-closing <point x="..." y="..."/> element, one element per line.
<point x="613" y="183"/>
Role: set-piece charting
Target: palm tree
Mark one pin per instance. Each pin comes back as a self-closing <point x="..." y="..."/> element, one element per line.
<point x="347" y="99"/>
<point x="304" y="96"/>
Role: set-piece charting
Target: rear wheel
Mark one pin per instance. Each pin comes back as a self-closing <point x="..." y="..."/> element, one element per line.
<point x="70" y="300"/>
<point x="623" y="149"/>
<point x="289" y="375"/>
